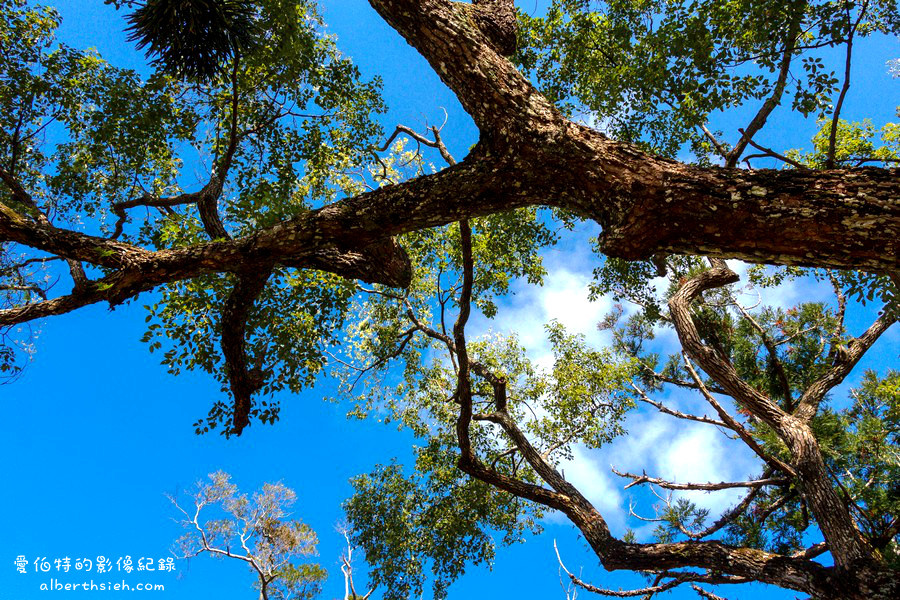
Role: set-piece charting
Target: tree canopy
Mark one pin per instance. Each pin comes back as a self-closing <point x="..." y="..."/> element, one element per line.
<point x="255" y="530"/>
<point x="314" y="244"/>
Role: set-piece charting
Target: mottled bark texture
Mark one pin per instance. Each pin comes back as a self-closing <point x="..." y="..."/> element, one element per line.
<point x="243" y="379"/>
<point x="528" y="154"/>
<point x="857" y="565"/>
<point x="843" y="219"/>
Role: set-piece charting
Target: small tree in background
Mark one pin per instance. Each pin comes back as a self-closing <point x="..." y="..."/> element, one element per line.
<point x="255" y="530"/>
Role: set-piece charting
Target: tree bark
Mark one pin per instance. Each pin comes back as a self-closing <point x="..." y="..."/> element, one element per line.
<point x="646" y="205"/>
<point x="529" y="154"/>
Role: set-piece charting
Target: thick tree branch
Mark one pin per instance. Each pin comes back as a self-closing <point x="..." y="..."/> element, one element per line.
<point x="56" y="306"/>
<point x="208" y="209"/>
<point x="243" y="380"/>
<point x="33" y="289"/>
<point x="615" y="554"/>
<point x="844" y="361"/>
<point x="712" y="362"/>
<point x="846" y="543"/>
<point x="647" y="205"/>
<point x="336" y="237"/>
<point x="531" y="155"/>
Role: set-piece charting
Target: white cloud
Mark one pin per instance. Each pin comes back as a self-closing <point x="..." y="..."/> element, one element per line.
<point x="595" y="481"/>
<point x="661" y="445"/>
<point x="563" y="297"/>
<point x="789" y="293"/>
<point x="668" y="448"/>
<point x="686" y="452"/>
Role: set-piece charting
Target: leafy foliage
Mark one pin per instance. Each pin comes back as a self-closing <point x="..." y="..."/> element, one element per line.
<point x="435" y="515"/>
<point x="432" y="517"/>
<point x="256" y="531"/>
<point x="283" y="124"/>
<point x="291" y="325"/>
<point x="654" y="71"/>
<point x="856" y="144"/>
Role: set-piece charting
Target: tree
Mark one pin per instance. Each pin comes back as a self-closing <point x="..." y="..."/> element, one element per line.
<point x="256" y="531"/>
<point x="516" y="424"/>
<point x="256" y="267"/>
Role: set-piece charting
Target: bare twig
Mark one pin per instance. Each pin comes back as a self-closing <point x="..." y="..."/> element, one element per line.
<point x="620" y="593"/>
<point x="705" y="594"/>
<point x="708" y="487"/>
<point x="771" y="153"/>
<point x="642" y="396"/>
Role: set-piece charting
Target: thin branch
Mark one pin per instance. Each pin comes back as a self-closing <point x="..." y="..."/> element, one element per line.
<point x="759" y="120"/>
<point x="690" y="385"/>
<point x="841" y="304"/>
<point x="705" y="594"/>
<point x="436" y="143"/>
<point x="468" y="461"/>
<point x="726" y="517"/>
<point x="707" y="487"/>
<point x="735" y="426"/>
<point x="23" y="288"/>
<point x="843" y="363"/>
<point x="642" y="396"/>
<point x="715" y="142"/>
<point x="771" y="153"/>
<point x="620" y="593"/>
<point x="347" y="570"/>
<point x="119" y="208"/>
<point x="861" y="161"/>
<point x="832" y="136"/>
<point x="773" y="353"/>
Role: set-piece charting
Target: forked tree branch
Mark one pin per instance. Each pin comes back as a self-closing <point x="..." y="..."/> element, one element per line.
<point x="846" y="543"/>
<point x="738" y="564"/>
<point x="759" y="120"/>
<point x="843" y="363"/>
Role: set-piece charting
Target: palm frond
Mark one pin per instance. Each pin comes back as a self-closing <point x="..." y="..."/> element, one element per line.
<point x="193" y="39"/>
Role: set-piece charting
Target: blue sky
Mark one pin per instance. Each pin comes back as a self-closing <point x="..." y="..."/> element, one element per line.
<point x="96" y="432"/>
